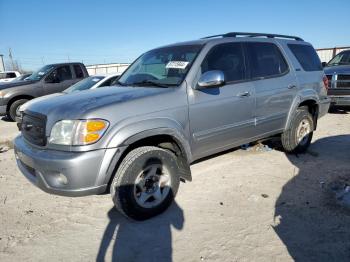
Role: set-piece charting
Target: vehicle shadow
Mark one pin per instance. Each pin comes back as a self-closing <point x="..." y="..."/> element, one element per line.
<point x="339" y="110"/>
<point x="149" y="240"/>
<point x="309" y="217"/>
<point x="5" y="119"/>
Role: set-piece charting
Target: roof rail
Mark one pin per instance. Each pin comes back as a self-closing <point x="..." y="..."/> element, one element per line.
<point x="235" y="34"/>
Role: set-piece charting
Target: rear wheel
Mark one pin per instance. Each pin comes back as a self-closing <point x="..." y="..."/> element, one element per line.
<point x="14" y="108"/>
<point x="299" y="135"/>
<point x="146" y="182"/>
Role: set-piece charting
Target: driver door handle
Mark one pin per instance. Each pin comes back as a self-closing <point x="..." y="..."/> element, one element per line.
<point x="244" y="94"/>
<point x="291" y="86"/>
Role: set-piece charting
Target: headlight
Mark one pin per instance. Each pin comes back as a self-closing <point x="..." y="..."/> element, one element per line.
<point x="78" y="132"/>
<point x="2" y="94"/>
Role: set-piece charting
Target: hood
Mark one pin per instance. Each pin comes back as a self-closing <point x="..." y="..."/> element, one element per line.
<point x="26" y="105"/>
<point x="14" y="84"/>
<point x="106" y="102"/>
<point x="340" y="69"/>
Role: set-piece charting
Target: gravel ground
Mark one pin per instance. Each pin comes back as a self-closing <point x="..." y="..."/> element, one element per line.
<point x="8" y="130"/>
<point x="241" y="206"/>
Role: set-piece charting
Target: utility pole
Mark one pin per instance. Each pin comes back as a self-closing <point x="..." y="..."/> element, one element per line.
<point x="10" y="56"/>
<point x="2" y="65"/>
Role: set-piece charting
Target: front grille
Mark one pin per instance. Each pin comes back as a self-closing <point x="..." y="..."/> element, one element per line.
<point x="33" y="128"/>
<point x="343" y="81"/>
<point x="343" y="77"/>
<point x="339" y="81"/>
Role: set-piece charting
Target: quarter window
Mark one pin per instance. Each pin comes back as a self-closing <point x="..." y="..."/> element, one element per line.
<point x="265" y="60"/>
<point x="78" y="71"/>
<point x="307" y="57"/>
<point x="228" y="58"/>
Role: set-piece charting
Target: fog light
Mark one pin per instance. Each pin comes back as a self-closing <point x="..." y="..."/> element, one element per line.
<point x="62" y="179"/>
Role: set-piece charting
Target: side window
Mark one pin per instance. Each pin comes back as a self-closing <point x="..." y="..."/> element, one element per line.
<point x="64" y="73"/>
<point x="78" y="71"/>
<point x="228" y="58"/>
<point x="265" y="60"/>
<point x="107" y="83"/>
<point x="10" y="75"/>
<point x="307" y="57"/>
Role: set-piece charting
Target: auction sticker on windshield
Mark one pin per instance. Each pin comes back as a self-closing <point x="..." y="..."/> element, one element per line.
<point x="177" y="64"/>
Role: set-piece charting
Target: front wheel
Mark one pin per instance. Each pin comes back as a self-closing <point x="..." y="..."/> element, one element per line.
<point x="146" y="182"/>
<point x="299" y="135"/>
<point x="14" y="108"/>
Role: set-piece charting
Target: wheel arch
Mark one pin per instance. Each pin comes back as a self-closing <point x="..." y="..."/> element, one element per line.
<point x="163" y="137"/>
<point x="312" y="105"/>
<point x="15" y="98"/>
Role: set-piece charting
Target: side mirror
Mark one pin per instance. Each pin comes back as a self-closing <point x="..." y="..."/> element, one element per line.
<point x="324" y="64"/>
<point x="212" y="78"/>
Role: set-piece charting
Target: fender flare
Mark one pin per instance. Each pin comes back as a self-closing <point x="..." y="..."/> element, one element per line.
<point x="297" y="101"/>
<point x="129" y="134"/>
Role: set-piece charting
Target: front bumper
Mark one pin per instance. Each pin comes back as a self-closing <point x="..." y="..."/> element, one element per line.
<point x="340" y="100"/>
<point x="339" y="96"/>
<point x="65" y="173"/>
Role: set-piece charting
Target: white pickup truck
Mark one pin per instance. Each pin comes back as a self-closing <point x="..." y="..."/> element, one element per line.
<point x="8" y="76"/>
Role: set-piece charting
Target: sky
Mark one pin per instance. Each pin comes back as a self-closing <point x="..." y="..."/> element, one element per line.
<point x="106" y="31"/>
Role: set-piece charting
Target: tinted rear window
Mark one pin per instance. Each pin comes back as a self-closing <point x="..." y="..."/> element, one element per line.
<point x="78" y="71"/>
<point x="307" y="57"/>
<point x="265" y="60"/>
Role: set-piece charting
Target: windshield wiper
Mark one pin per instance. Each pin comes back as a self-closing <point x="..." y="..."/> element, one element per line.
<point x="150" y="82"/>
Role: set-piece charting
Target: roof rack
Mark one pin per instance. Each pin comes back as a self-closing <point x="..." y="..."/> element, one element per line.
<point x="235" y="34"/>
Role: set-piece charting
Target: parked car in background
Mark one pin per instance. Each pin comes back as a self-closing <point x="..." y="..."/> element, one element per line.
<point x="22" y="77"/>
<point x="8" y="76"/>
<point x="93" y="82"/>
<point x="337" y="71"/>
<point x="90" y="82"/>
<point x="174" y="105"/>
<point x="47" y="80"/>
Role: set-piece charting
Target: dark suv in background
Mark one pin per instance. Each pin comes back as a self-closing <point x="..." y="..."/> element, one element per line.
<point x="338" y="73"/>
<point x="47" y="80"/>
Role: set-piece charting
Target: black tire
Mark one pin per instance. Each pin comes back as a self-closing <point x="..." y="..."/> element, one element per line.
<point x="13" y="108"/>
<point x="123" y="184"/>
<point x="289" y="138"/>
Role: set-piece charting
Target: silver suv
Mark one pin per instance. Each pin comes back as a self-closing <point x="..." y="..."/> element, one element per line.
<point x="173" y="105"/>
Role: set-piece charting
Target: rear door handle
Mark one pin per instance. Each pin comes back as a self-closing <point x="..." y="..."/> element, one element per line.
<point x="244" y="94"/>
<point x="291" y="86"/>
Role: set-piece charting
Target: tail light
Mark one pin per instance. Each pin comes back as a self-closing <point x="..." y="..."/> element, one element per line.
<point x="325" y="82"/>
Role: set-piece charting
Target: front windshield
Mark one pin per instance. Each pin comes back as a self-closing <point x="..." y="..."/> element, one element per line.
<point x="40" y="73"/>
<point x="3" y="75"/>
<point x="166" y="66"/>
<point x="340" y="59"/>
<point x="84" y="84"/>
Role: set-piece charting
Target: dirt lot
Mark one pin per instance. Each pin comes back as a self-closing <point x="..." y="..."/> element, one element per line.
<point x="241" y="206"/>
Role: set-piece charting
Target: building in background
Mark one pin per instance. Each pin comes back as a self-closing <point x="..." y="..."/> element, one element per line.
<point x="327" y="54"/>
<point x="106" y="69"/>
